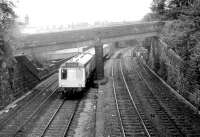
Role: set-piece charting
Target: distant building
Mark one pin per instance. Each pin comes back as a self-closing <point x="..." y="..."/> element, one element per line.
<point x="23" y="20"/>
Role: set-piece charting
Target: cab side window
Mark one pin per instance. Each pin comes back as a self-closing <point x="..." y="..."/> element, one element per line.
<point x="64" y="74"/>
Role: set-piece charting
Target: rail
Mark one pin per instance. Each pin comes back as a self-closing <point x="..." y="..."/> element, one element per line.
<point x="142" y="122"/>
<point x="158" y="101"/>
<point x="146" y="132"/>
<point x="116" y="102"/>
<point x="20" y="128"/>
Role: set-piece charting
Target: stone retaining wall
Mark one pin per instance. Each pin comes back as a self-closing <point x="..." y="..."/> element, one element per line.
<point x="17" y="80"/>
<point x="167" y="64"/>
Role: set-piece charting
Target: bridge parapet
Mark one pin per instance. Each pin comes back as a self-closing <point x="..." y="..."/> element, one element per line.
<point x="76" y="38"/>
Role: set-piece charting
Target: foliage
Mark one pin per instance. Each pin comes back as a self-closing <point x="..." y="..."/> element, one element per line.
<point x="158" y="8"/>
<point x="7" y="17"/>
<point x="182" y="33"/>
<point x="7" y="20"/>
<point x="150" y="17"/>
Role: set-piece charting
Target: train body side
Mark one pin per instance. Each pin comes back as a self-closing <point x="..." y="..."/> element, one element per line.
<point x="75" y="73"/>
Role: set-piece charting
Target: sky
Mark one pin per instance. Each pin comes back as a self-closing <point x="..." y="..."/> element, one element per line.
<point x="57" y="12"/>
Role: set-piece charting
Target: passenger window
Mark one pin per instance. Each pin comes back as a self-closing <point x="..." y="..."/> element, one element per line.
<point x="64" y="74"/>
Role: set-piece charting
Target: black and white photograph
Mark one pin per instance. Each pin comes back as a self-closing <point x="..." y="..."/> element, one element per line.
<point x="100" y="68"/>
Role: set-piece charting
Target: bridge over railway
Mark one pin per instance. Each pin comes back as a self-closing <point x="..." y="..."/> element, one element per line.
<point x="133" y="101"/>
<point x="91" y="37"/>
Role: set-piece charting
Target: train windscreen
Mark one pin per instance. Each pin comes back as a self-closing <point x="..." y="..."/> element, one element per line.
<point x="64" y="74"/>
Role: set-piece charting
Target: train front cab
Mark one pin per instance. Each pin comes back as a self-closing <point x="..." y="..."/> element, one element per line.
<point x="72" y="79"/>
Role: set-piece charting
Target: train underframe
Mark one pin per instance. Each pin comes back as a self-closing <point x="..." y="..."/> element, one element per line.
<point x="71" y="91"/>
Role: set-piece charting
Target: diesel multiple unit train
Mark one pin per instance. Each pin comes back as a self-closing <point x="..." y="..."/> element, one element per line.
<point x="75" y="73"/>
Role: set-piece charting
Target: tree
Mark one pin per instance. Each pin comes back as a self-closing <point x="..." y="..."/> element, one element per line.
<point x="150" y="17"/>
<point x="159" y="8"/>
<point x="7" y="19"/>
<point x="182" y="33"/>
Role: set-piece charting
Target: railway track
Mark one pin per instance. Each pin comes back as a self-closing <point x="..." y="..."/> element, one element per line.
<point x="16" y="122"/>
<point x="57" y="120"/>
<point x="184" y="119"/>
<point x="155" y="110"/>
<point x="130" y="119"/>
<point x="32" y="97"/>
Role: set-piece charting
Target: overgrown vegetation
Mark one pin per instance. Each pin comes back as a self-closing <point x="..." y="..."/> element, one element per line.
<point x="181" y="33"/>
<point x="7" y="22"/>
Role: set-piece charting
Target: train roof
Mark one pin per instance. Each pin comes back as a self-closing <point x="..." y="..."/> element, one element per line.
<point x="80" y="60"/>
